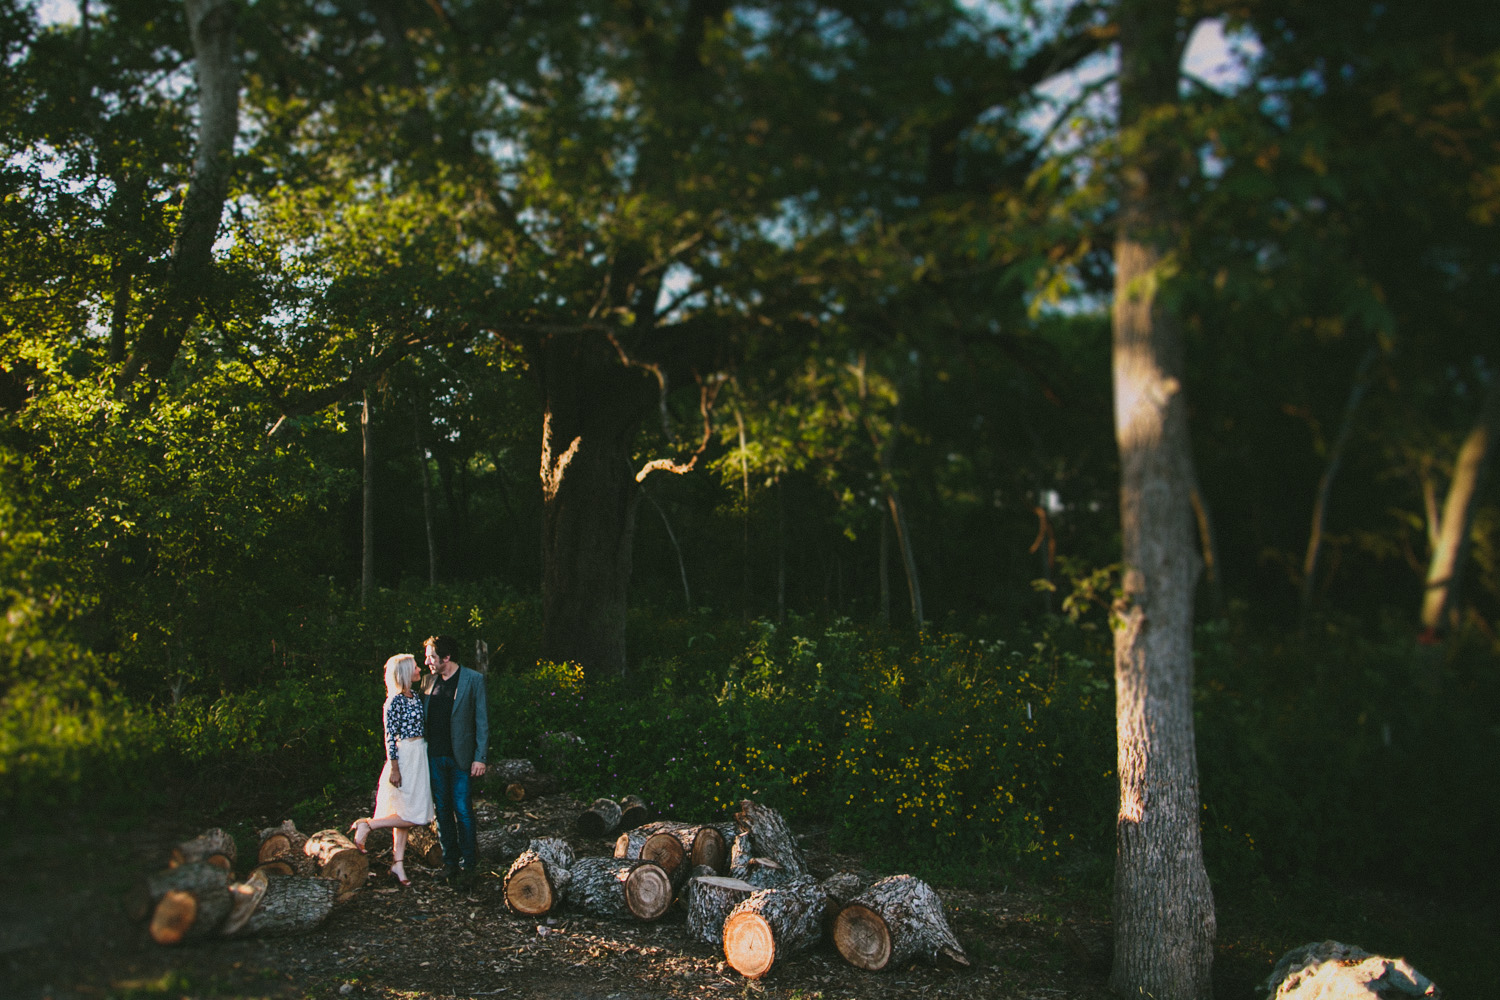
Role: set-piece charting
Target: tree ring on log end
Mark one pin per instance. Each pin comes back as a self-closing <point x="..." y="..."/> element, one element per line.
<point x="528" y="892"/>
<point x="862" y="937"/>
<point x="664" y="849"/>
<point x="749" y="944"/>
<point x="174" y="914"/>
<point x="709" y="849"/>
<point x="648" y="892"/>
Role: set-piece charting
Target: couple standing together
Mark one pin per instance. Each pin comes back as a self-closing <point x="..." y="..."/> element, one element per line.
<point x="437" y="735"/>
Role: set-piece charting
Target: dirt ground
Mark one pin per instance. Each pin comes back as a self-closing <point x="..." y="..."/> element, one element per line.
<point x="64" y="936"/>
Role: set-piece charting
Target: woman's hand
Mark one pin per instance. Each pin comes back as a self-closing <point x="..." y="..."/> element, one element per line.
<point x="395" y="775"/>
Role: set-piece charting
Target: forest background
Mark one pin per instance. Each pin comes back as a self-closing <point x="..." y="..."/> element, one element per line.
<point x="805" y="309"/>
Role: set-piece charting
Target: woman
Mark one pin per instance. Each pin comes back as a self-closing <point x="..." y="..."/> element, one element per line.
<point x="403" y="798"/>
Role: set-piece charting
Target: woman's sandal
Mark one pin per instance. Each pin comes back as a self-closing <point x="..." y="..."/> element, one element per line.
<point x="359" y="841"/>
<point x="401" y="876"/>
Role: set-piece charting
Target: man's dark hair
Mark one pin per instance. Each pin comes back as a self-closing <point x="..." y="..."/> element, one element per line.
<point x="444" y="647"/>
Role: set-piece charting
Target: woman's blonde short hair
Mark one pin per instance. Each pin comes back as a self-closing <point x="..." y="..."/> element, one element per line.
<point x="400" y="671"/>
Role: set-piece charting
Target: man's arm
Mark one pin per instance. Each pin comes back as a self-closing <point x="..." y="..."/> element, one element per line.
<point x="481" y="727"/>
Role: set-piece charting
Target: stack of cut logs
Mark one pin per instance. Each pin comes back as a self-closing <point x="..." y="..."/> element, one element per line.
<point x="745" y="886"/>
<point x="294" y="885"/>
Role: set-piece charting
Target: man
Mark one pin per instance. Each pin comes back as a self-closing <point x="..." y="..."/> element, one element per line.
<point x="458" y="740"/>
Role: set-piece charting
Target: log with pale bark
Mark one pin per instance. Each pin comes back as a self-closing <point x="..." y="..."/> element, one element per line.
<point x="537" y="881"/>
<point x="633" y="811"/>
<point x="620" y="888"/>
<point x="216" y="847"/>
<point x="600" y="819"/>
<point x="773" y="925"/>
<point x="770" y="837"/>
<point x="338" y="859"/>
<point x="895" y="920"/>
<point x="194" y="900"/>
<point x="710" y="898"/>
<point x="511" y="770"/>
<point x="287" y="904"/>
<point x="284" y="843"/>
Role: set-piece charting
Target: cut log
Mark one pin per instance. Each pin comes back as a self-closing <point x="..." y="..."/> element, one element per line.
<point x="193" y="877"/>
<point x="246" y="897"/>
<point x="773" y="925"/>
<point x="764" y="873"/>
<point x="633" y="811"/>
<point x="620" y="888"/>
<point x="284" y="843"/>
<point x="531" y="787"/>
<point x="424" y="846"/>
<point x="710" y="898"/>
<point x="770" y="837"/>
<point x="508" y="772"/>
<point x="842" y="887"/>
<point x="275" y="868"/>
<point x="290" y="904"/>
<point x="537" y="881"/>
<point x="213" y="846"/>
<point x="895" y="920"/>
<point x="740" y="853"/>
<point x="600" y="819"/>
<point x="338" y="859"/>
<point x="651" y="843"/>
<point x="192" y="904"/>
<point x="698" y="844"/>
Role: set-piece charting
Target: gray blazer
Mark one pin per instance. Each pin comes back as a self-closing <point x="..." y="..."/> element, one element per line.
<point x="471" y="717"/>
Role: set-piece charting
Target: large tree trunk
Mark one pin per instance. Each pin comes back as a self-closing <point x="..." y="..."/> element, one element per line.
<point x="1458" y="515"/>
<point x="592" y="407"/>
<point x="1164" y="917"/>
<point x="211" y="27"/>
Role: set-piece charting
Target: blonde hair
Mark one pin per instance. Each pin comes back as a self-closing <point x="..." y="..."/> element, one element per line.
<point x="400" y="671"/>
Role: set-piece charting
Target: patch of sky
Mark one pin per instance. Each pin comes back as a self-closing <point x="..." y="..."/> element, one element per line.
<point x="677" y="296"/>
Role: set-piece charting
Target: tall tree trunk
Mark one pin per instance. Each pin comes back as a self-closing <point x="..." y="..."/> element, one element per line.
<point x="591" y="409"/>
<point x="908" y="556"/>
<point x="1163" y="907"/>
<point x="1446" y="566"/>
<point x="687" y="593"/>
<point x="739" y="419"/>
<point x="416" y="417"/>
<point x="883" y="571"/>
<point x="1325" y="483"/>
<point x="211" y="26"/>
<point x="367" y="504"/>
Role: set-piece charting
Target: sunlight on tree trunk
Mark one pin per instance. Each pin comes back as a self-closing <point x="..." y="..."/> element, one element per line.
<point x="1446" y="566"/>
<point x="1164" y="917"/>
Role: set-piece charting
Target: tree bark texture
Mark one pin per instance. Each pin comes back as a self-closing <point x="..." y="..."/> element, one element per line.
<point x="620" y="889"/>
<point x="1163" y="907"/>
<point x="773" y="925"/>
<point x="592" y="407"/>
<point x="600" y="819"/>
<point x="189" y="914"/>
<point x="770" y="837"/>
<point x="290" y="904"/>
<point x="895" y="920"/>
<point x="1448" y="553"/>
<point x="213" y="846"/>
<point x="538" y="879"/>
<point x="710" y="899"/>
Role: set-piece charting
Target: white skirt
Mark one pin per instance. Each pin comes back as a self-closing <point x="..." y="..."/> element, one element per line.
<point x="411" y="802"/>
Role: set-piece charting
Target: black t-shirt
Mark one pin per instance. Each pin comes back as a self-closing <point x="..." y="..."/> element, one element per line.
<point x="440" y="716"/>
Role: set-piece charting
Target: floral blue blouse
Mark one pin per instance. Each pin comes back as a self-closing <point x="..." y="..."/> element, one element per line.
<point x="403" y="721"/>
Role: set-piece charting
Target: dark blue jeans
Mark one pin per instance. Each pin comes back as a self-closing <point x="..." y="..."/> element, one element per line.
<point x="455" y="812"/>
